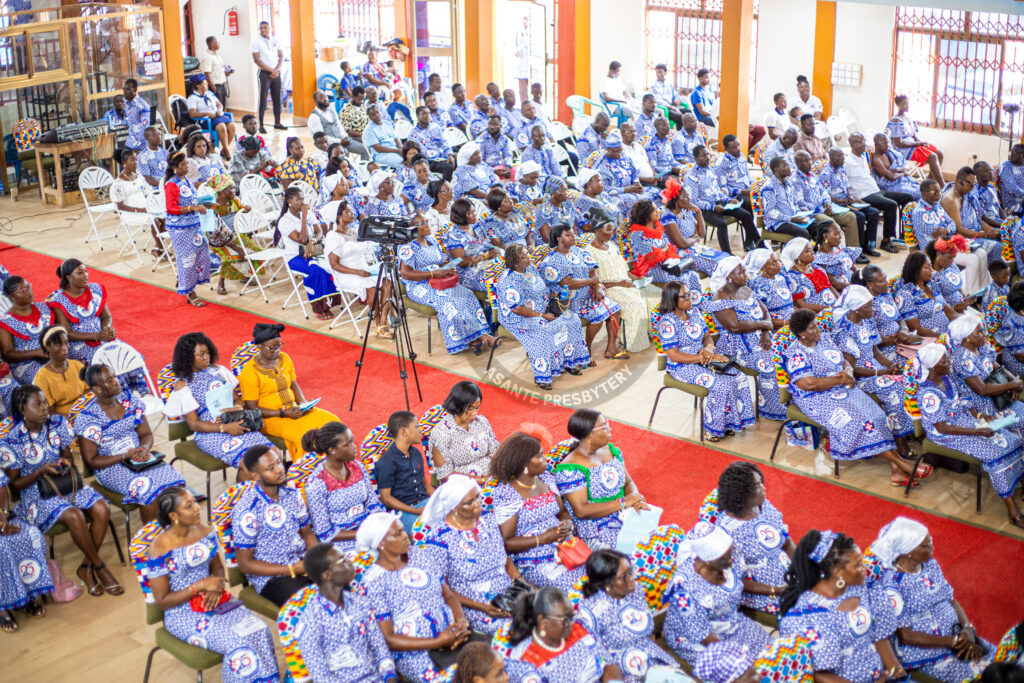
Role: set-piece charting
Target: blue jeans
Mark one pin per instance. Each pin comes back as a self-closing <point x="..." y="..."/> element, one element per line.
<point x="389" y="159"/>
<point x="408" y="518"/>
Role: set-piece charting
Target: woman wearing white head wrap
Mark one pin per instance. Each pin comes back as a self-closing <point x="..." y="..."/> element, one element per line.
<point x="812" y="286"/>
<point x="792" y="249"/>
<point x="415" y="610"/>
<point x="473" y="177"/>
<point x="972" y="360"/>
<point x="468" y="549"/>
<point x="947" y="423"/>
<point x="704" y="596"/>
<point x="528" y="167"/>
<point x="383" y="200"/>
<point x="594" y="195"/>
<point x="556" y="207"/>
<point x="856" y="336"/>
<point x="934" y="633"/>
<point x="584" y="177"/>
<point x="745" y="331"/>
<point x="754" y="261"/>
<point x="769" y="284"/>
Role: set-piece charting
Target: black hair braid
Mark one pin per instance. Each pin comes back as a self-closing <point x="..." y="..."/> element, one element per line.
<point x="804" y="572"/>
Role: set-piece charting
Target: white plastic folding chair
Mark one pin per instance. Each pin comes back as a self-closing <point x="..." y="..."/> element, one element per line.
<point x="454" y="137"/>
<point x="95" y="179"/>
<point x="133" y="225"/>
<point x="847" y="117"/>
<point x="260" y="202"/>
<point x="122" y="359"/>
<point x="167" y="134"/>
<point x="402" y="127"/>
<point x="254" y="182"/>
<point x="348" y="300"/>
<point x="156" y="205"/>
<point x="561" y="131"/>
<point x="294" y="278"/>
<point x="580" y="123"/>
<point x="5" y="304"/>
<point x="271" y="259"/>
<point x="309" y="194"/>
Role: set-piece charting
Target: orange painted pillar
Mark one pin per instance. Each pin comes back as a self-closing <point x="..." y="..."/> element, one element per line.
<point x="734" y="112"/>
<point x="572" y="54"/>
<point x="403" y="30"/>
<point x="481" y="39"/>
<point x="174" y="68"/>
<point x="303" y="57"/>
<point x="581" y="38"/>
<point x="824" y="52"/>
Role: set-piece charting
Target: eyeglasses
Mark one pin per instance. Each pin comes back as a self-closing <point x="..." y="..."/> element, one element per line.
<point x="268" y="347"/>
<point x="566" y="620"/>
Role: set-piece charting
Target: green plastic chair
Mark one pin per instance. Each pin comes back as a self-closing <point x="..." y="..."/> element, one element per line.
<point x="577" y="105"/>
<point x="117" y="500"/>
<point x="794" y="414"/>
<point x="249" y="597"/>
<point x="188" y="450"/>
<point x="422" y="309"/>
<point x="195" y="658"/>
<point x="698" y="392"/>
<point x="929" y="446"/>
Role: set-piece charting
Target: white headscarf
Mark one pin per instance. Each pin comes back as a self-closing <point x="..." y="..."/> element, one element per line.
<point x="330" y="182"/>
<point x="722" y="271"/>
<point x="928" y="357"/>
<point x="584" y="176"/>
<point x="962" y="327"/>
<point x="528" y="167"/>
<point x="755" y="260"/>
<point x="792" y="250"/>
<point x="466" y="151"/>
<point x="705" y="541"/>
<point x="372" y="531"/>
<point x="898" y="537"/>
<point x="376" y="180"/>
<point x="446" y="497"/>
<point x="852" y="298"/>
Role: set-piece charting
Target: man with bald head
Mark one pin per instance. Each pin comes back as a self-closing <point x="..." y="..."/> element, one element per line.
<point x="836" y="182"/>
<point x="815" y="198"/>
<point x="478" y="123"/>
<point x="593" y="136"/>
<point x="690" y="136"/>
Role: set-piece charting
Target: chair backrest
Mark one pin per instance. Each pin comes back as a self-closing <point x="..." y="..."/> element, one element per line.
<point x="5" y="304"/>
<point x="376" y="441"/>
<point x="287" y="627"/>
<point x="995" y="312"/>
<point x="220" y="517"/>
<point x="137" y="549"/>
<point x="249" y="222"/>
<point x="654" y="563"/>
<point x="309" y="194"/>
<point x="580" y="123"/>
<point x="758" y="151"/>
<point x="119" y="357"/>
<point x="755" y="197"/>
<point x="454" y="136"/>
<point x="156" y="204"/>
<point x="301" y="470"/>
<point x="178" y="108"/>
<point x="165" y="380"/>
<point x="327" y="83"/>
<point x="559" y="154"/>
<point x="430" y="419"/>
<point x="709" y="508"/>
<point x="560" y="131"/>
<point x="94" y="178"/>
<point x="786" y="659"/>
<point x="242" y="355"/>
<point x="558" y="452"/>
<point x="254" y="182"/>
<point x="403" y="127"/>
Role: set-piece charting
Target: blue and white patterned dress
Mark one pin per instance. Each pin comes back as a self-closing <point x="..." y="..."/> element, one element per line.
<point x="901" y="183"/>
<point x="728" y="405"/>
<point x="775" y="294"/>
<point x="393" y="206"/>
<point x="839" y="263"/>
<point x="577" y="264"/>
<point x="624" y="628"/>
<point x="512" y="230"/>
<point x="758" y="547"/>
<point x="922" y="602"/>
<point x="241" y="636"/>
<point x="552" y="345"/>
<point x="856" y="425"/>
<point x="336" y="505"/>
<point x="411" y="598"/>
<point x="999" y="454"/>
<point x="705" y="259"/>
<point x="461" y="319"/>
<point x="582" y="659"/>
<point x="843" y="643"/>
<point x="1010" y="336"/>
<point x="24" y="574"/>
<point x="603" y="483"/>
<point x="644" y="244"/>
<point x="416" y="193"/>
<point x="191" y="251"/>
<point x="887" y="320"/>
<point x="860" y="341"/>
<point x="467" y="178"/>
<point x="617" y="175"/>
<point x="473" y="564"/>
<point x="545" y="157"/>
<point x="343" y="644"/>
<point x="980" y="364"/>
<point x="26" y="452"/>
<point x="800" y="283"/>
<point x="115" y="437"/>
<point x="551" y="215"/>
<point x="746" y="349"/>
<point x="83" y="312"/>
<point x="225" y="447"/>
<point x="584" y="203"/>
<point x="539" y="564"/>
<point x="25" y="332"/>
<point x="948" y="283"/>
<point x="698" y="609"/>
<point x="926" y="218"/>
<point x="521" y="193"/>
<point x="474" y="242"/>
<point x="270" y="527"/>
<point x="914" y="302"/>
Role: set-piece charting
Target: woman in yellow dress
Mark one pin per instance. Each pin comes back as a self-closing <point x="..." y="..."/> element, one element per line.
<point x="59" y="378"/>
<point x="268" y="382"/>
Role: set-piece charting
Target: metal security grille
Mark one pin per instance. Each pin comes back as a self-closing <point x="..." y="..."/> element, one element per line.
<point x="686" y="36"/>
<point x="958" y="68"/>
<point x="372" y="20"/>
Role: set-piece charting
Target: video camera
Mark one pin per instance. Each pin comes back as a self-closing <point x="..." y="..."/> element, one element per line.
<point x="386" y="230"/>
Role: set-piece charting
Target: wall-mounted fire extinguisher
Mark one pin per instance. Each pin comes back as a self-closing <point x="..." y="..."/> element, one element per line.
<point x="232" y="21"/>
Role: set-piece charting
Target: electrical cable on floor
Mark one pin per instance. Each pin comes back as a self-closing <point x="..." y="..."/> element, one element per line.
<point x="7" y="224"/>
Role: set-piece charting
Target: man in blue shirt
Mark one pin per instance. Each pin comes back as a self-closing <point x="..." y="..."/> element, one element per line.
<point x="733" y="172"/>
<point x="152" y="160"/>
<point x="380" y="139"/>
<point x="402" y="479"/>
<point x="540" y="152"/>
<point x="137" y="115"/>
<point x="592" y="138"/>
<point x="690" y="136"/>
<point x="349" y="80"/>
<point x="704" y="186"/>
<point x="664" y="150"/>
<point x="1011" y="181"/>
<point x="495" y="148"/>
<point x="461" y="110"/>
<point x="780" y="199"/>
<point x="833" y="178"/>
<point x="985" y="195"/>
<point x="782" y="146"/>
<point x="494" y="95"/>
<point x="437" y="115"/>
<point x="703" y="98"/>
<point x="816" y="199"/>
<point x="478" y="122"/>
<point x="430" y="138"/>
<point x="648" y="112"/>
<point x="666" y="95"/>
<point x="514" y="121"/>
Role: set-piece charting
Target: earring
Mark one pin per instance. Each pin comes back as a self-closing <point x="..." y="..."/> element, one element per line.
<point x="840" y="583"/>
<point x="526" y="470"/>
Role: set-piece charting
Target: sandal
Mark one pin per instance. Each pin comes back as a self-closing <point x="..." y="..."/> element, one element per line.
<point x="113" y="588"/>
<point x="889" y="247"/>
<point x="923" y="470"/>
<point x="1018" y="521"/>
<point x="93" y="588"/>
<point x="35" y="610"/>
<point x="323" y="315"/>
<point x="904" y="482"/>
<point x="384" y="332"/>
<point x="7" y="622"/>
<point x="711" y="437"/>
<point x="197" y="302"/>
<point x="620" y="355"/>
<point x="574" y="371"/>
<point x="222" y="290"/>
<point x="592" y="364"/>
<point x="546" y="386"/>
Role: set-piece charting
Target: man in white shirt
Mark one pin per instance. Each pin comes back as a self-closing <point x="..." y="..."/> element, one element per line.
<point x="808" y="103"/>
<point x="443" y="95"/>
<point x="635" y="152"/>
<point x="268" y="57"/>
<point x="539" y="105"/>
<point x="324" y="119"/>
<point x="863" y="188"/>
<point x="613" y="88"/>
<point x="216" y="73"/>
<point x="777" y="120"/>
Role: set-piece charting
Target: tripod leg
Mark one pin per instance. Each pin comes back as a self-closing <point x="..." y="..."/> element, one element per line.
<point x="366" y="337"/>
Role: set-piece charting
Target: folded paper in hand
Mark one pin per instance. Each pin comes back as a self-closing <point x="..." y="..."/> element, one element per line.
<point x="219" y="399"/>
<point x="637" y="526"/>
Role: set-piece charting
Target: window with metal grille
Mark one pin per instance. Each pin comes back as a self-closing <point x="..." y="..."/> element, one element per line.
<point x="367" y="20"/>
<point x="686" y="36"/>
<point x="958" y="68"/>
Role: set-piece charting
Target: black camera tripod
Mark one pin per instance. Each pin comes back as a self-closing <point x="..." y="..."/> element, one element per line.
<point x="388" y="275"/>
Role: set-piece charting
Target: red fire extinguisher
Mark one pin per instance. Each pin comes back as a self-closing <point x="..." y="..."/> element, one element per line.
<point x="232" y="21"/>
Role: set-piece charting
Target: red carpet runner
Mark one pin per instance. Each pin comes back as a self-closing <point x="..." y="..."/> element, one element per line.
<point x="979" y="563"/>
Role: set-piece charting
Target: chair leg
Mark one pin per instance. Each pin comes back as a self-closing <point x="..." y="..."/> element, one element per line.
<point x="757" y="398"/>
<point x="51" y="547"/>
<point x="490" y="357"/>
<point x="701" y="408"/>
<point x="149" y="664"/>
<point x="127" y="529"/>
<point x="778" y="436"/>
<point x="913" y="475"/>
<point x="209" y="513"/>
<point x="656" y="399"/>
<point x="117" y="542"/>
<point x="199" y="677"/>
<point x="428" y="334"/>
<point x="977" y="503"/>
<point x="835" y="467"/>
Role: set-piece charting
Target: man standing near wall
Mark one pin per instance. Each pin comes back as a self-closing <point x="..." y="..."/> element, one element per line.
<point x="268" y="57"/>
<point x="216" y="73"/>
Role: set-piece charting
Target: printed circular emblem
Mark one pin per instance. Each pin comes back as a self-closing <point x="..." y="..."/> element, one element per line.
<point x="413" y="577"/>
<point x="768" y="536"/>
<point x="667" y="330"/>
<point x="454" y="333"/>
<point x="693" y="330"/>
<point x="54" y="439"/>
<point x="999" y="440"/>
<point x="895" y="600"/>
<point x="763" y="365"/>
<point x="953" y="277"/>
<point x="198" y="641"/>
<point x="635" y="620"/>
<point x="782" y="289"/>
<point x="243" y="661"/>
<point x="34" y="453"/>
<point x="247" y="524"/>
<point x="540" y="365"/>
<point x="860" y="620"/>
<point x="930" y="403"/>
<point x="840" y="395"/>
<point x="796" y="361"/>
<point x="203" y="624"/>
<point x="573" y="258"/>
<point x="968" y="365"/>
<point x="512" y="297"/>
<point x="883" y="381"/>
<point x="833" y="355"/>
<point x="356" y="510"/>
<point x="33" y="513"/>
<point x="29" y="570"/>
<point x="828" y="297"/>
<point x="405" y="252"/>
<point x="274" y="516"/>
<point x="695" y="296"/>
<point x="93" y="433"/>
<point x="197" y="554"/>
<point x="7" y="458"/>
<point x="480" y="315"/>
<point x="865" y="336"/>
<point x="197" y="239"/>
<point x="550" y="274"/>
<point x="704" y="379"/>
<point x="987" y="364"/>
<point x="888" y="310"/>
<point x="610" y="478"/>
<point x="231" y="444"/>
<point x="139" y="487"/>
<point x="635" y="661"/>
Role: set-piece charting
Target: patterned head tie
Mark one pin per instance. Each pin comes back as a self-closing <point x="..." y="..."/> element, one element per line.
<point x="828" y="537"/>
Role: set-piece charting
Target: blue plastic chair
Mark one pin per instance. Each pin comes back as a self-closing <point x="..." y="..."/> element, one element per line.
<point x="614" y="110"/>
<point x="329" y="84"/>
<point x="206" y="123"/>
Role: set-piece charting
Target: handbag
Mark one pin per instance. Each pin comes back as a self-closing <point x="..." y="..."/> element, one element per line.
<point x="221" y="236"/>
<point x="196" y="603"/>
<point x="250" y="419"/>
<point x="1000" y="376"/>
<point x="155" y="459"/>
<point x="573" y="552"/>
<point x="506" y="600"/>
<point x="722" y="367"/>
<point x="65" y="483"/>
<point x="444" y="282"/>
<point x="445" y="657"/>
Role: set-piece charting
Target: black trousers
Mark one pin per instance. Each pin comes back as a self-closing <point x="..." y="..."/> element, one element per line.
<point x="676" y="119"/>
<point x="221" y="91"/>
<point x="889" y="204"/>
<point x="442" y="167"/>
<point x="717" y="220"/>
<point x="867" y="224"/>
<point x="280" y="588"/>
<point x="273" y="86"/>
<point x="795" y="230"/>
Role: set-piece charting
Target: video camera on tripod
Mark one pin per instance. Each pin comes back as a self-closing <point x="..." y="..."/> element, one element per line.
<point x="392" y="230"/>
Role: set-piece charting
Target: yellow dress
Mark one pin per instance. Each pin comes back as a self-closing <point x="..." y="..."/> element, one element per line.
<point x="611" y="267"/>
<point x="61" y="389"/>
<point x="271" y="389"/>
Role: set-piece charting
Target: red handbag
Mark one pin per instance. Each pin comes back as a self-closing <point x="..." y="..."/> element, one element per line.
<point x="573" y="552"/>
<point x="444" y="282"/>
<point x="197" y="603"/>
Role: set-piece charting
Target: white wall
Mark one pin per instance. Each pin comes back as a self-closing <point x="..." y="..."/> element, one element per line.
<point x="856" y="24"/>
<point x="208" y="20"/>
<point x="617" y="33"/>
<point x="785" y="47"/>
